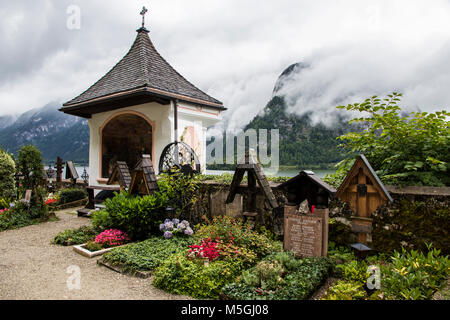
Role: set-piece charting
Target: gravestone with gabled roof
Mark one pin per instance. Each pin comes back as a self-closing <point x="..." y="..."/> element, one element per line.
<point x="136" y="108"/>
<point x="363" y="190"/>
<point x="143" y="181"/>
<point x="120" y="175"/>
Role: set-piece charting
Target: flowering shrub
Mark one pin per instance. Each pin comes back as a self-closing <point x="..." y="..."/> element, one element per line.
<point x="112" y="238"/>
<point x="3" y="211"/>
<point x="208" y="249"/>
<point x="50" y="201"/>
<point x="174" y="227"/>
<point x="232" y="231"/>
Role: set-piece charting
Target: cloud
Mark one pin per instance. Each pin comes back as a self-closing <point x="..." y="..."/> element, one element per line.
<point x="235" y="50"/>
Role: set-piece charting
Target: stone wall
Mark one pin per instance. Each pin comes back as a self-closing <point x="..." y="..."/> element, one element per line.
<point x="418" y="215"/>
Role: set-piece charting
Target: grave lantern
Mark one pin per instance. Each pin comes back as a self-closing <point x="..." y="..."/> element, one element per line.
<point x="85" y="175"/>
<point x="363" y="190"/>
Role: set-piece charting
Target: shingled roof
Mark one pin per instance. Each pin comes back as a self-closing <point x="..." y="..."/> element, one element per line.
<point x="143" y="75"/>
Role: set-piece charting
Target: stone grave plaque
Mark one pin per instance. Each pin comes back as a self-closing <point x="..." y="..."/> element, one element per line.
<point x="303" y="235"/>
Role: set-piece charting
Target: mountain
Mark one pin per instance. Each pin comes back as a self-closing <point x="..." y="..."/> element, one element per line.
<point x="52" y="132"/>
<point x="301" y="142"/>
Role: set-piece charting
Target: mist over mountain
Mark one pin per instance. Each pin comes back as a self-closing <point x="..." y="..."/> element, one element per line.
<point x="304" y="141"/>
<point x="52" y="132"/>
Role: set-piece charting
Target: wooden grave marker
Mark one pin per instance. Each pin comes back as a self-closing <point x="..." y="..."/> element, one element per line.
<point x="71" y="172"/>
<point x="143" y="181"/>
<point x="120" y="175"/>
<point x="363" y="190"/>
<point x="255" y="174"/>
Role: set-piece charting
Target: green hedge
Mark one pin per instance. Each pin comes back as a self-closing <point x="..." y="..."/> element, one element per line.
<point x="71" y="195"/>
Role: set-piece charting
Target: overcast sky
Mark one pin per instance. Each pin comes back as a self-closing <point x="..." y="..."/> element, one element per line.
<point x="234" y="49"/>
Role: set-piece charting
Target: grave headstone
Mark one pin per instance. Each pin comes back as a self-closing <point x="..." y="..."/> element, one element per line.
<point x="305" y="234"/>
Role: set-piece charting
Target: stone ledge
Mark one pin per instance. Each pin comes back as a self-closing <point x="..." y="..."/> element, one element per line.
<point x="121" y="268"/>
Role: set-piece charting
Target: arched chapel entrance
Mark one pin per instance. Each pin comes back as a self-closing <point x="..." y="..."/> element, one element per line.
<point x="124" y="138"/>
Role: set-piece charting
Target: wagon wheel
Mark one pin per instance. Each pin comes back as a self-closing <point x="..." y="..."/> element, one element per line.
<point x="179" y="156"/>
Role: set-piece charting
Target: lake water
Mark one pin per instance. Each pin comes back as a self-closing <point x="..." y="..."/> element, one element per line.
<point x="280" y="173"/>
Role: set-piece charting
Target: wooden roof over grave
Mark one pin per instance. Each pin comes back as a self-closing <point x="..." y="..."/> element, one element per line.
<point x="142" y="76"/>
<point x="143" y="179"/>
<point x="255" y="174"/>
<point x="120" y="175"/>
<point x="362" y="179"/>
<point x="306" y="185"/>
<point x="71" y="172"/>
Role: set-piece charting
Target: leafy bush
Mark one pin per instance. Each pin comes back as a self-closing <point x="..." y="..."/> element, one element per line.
<point x="148" y="254"/>
<point x="415" y="275"/>
<point x="181" y="190"/>
<point x="280" y="276"/>
<point x="139" y="217"/>
<point x="93" y="246"/>
<point x="29" y="162"/>
<point x="422" y="160"/>
<point x="346" y="290"/>
<point x="101" y="220"/>
<point x="71" y="194"/>
<point x="7" y="170"/>
<point x="355" y="270"/>
<point x="180" y="275"/>
<point x="75" y="236"/>
<point x="15" y="217"/>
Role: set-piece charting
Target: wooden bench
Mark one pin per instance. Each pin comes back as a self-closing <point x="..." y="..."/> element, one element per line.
<point x="92" y="201"/>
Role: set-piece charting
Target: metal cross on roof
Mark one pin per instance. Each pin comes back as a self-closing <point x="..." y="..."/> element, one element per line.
<point x="143" y="12"/>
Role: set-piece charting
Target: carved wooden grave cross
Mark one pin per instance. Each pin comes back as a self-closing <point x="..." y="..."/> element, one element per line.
<point x="363" y="190"/>
<point x="254" y="174"/>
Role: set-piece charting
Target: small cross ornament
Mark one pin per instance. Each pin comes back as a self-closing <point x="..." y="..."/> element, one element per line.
<point x="143" y="12"/>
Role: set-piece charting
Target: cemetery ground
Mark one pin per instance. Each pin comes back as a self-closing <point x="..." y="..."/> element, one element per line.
<point x="32" y="267"/>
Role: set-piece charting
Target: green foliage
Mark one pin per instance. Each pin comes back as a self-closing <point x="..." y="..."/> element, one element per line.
<point x="93" y="246"/>
<point x="29" y="163"/>
<point x="354" y="270"/>
<point x="181" y="190"/>
<point x="180" y="275"/>
<point x="101" y="221"/>
<point x="139" y="217"/>
<point x="7" y="170"/>
<point x="229" y="229"/>
<point x="346" y="290"/>
<point x="75" y="236"/>
<point x="16" y="217"/>
<point x="280" y="276"/>
<point x="414" y="275"/>
<point x="146" y="255"/>
<point x="71" y="194"/>
<point x="340" y="234"/>
<point x="404" y="149"/>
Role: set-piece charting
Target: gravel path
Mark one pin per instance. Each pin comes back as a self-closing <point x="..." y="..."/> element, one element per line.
<point x="33" y="268"/>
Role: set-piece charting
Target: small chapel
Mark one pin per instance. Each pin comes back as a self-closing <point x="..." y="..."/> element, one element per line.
<point x="142" y="106"/>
